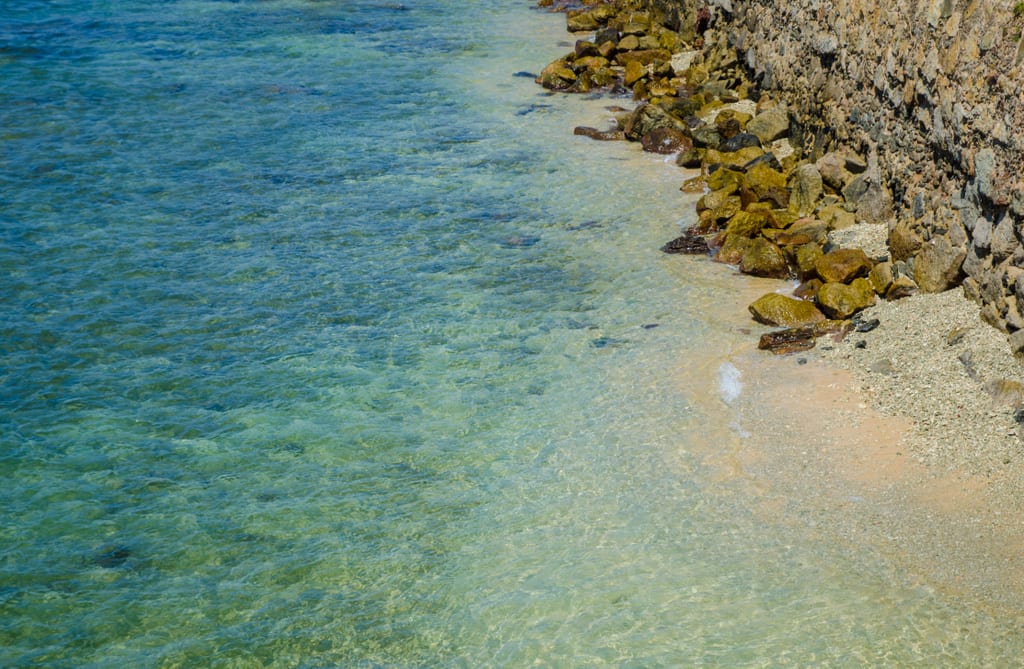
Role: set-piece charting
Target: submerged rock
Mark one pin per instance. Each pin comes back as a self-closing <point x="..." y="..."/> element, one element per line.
<point x="690" y="243"/>
<point x="602" y="135"/>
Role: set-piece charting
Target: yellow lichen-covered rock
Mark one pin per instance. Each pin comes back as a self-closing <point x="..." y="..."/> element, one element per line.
<point x="748" y="223"/>
<point x="807" y="257"/>
<point x="776" y="309"/>
<point x="761" y="179"/>
<point x="763" y="258"/>
<point x="840" y="301"/>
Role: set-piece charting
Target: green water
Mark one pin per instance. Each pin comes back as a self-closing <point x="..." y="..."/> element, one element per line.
<point x="325" y="344"/>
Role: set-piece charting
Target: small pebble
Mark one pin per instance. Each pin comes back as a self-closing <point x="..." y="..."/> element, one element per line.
<point x="801" y="361"/>
<point x="861" y="344"/>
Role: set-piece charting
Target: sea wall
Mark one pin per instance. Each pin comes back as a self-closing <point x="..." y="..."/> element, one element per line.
<point x="929" y="91"/>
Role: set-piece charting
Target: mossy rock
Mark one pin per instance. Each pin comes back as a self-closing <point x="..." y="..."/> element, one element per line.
<point x="733" y="248"/>
<point x="722" y="177"/>
<point x="747" y="224"/>
<point x="776" y="309"/>
<point x="807" y="257"/>
<point x="761" y="179"/>
<point x="840" y="301"/>
<point x="763" y="258"/>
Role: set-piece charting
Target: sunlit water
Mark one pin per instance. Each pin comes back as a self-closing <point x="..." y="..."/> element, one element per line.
<point x="324" y="343"/>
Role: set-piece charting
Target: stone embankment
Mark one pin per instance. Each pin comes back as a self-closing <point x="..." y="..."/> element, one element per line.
<point x="808" y="117"/>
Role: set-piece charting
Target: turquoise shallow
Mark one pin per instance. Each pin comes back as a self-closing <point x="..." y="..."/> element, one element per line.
<point x="325" y="344"/>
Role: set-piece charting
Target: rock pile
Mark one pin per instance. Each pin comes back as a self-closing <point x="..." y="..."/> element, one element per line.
<point x="765" y="206"/>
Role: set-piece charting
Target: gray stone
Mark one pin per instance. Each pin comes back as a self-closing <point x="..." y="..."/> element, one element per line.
<point x="982" y="234"/>
<point x="984" y="166"/>
<point x="1004" y="240"/>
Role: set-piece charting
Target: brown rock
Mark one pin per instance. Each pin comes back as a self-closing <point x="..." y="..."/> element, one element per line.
<point x="690" y="242"/>
<point x="902" y="286"/>
<point x="904" y="241"/>
<point x="602" y="135"/>
<point x="790" y="340"/>
<point x="776" y="309"/>
<point x="843" y="265"/>
<point x="665" y="140"/>
<point x="937" y="266"/>
<point x="840" y="301"/>
<point x="808" y="290"/>
<point x="881" y="277"/>
<point x="793" y="340"/>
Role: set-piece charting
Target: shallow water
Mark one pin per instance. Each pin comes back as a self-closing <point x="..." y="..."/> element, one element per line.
<point x="326" y="344"/>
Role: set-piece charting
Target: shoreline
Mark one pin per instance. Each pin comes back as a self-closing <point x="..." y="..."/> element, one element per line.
<point x="908" y="435"/>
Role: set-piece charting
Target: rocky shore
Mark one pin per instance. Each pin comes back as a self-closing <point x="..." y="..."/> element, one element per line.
<point x="893" y="218"/>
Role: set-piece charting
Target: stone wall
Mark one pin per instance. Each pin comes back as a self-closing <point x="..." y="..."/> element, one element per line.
<point x="930" y="93"/>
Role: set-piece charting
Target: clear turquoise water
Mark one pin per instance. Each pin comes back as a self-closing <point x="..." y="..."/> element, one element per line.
<point x="323" y="345"/>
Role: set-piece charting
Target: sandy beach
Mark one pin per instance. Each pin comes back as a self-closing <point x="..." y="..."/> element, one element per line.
<point x="905" y="438"/>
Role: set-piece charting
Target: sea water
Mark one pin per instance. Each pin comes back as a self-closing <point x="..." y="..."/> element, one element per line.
<point x="324" y="343"/>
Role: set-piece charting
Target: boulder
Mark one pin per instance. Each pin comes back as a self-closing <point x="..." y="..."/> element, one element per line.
<point x="739" y="141"/>
<point x="937" y="267"/>
<point x="843" y="265"/>
<point x="748" y="223"/>
<point x="691" y="158"/>
<point x="665" y="140"/>
<point x="581" y="21"/>
<point x="646" y="118"/>
<point x="776" y="309"/>
<point x="594" y="133"/>
<point x="866" y="196"/>
<point x="808" y="290"/>
<point x="805" y="187"/>
<point x="904" y="241"/>
<point x="644" y="56"/>
<point x="814" y="229"/>
<point x="762" y="258"/>
<point x="769" y="125"/>
<point x="902" y="286"/>
<point x="807" y="257"/>
<point x="557" y="76"/>
<point x="840" y="301"/>
<point x="762" y="179"/>
<point x="881" y="277"/>
<point x="634" y="72"/>
<point x="830" y="166"/>
<point x="629" y="43"/>
<point x="733" y="249"/>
